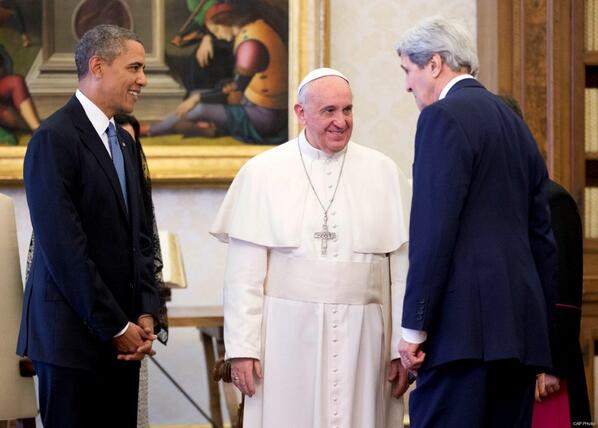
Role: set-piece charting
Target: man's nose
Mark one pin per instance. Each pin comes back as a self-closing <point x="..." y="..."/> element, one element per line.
<point x="142" y="79"/>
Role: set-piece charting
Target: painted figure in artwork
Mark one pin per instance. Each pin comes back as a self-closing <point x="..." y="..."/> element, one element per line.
<point x="251" y="107"/>
<point x="17" y="110"/>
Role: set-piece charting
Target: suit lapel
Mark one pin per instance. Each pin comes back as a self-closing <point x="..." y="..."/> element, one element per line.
<point x="93" y="142"/>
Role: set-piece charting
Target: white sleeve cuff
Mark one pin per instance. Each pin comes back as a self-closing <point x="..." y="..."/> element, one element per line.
<point x="120" y="333"/>
<point x="414" y="336"/>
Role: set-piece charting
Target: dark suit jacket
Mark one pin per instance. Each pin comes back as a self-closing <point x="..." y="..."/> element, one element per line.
<point x="482" y="273"/>
<point x="92" y="270"/>
<point x="567" y="359"/>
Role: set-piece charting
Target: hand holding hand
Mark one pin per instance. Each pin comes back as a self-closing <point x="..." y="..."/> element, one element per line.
<point x="134" y="344"/>
<point x="242" y="370"/>
<point x="412" y="356"/>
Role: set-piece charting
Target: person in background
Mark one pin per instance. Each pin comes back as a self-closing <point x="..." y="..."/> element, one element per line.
<point x="130" y="124"/>
<point x="561" y="393"/>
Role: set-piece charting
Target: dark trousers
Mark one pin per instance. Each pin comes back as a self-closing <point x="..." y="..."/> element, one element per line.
<point x="473" y="394"/>
<point x="100" y="398"/>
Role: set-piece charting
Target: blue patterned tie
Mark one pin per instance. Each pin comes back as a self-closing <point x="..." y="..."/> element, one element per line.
<point x="117" y="159"/>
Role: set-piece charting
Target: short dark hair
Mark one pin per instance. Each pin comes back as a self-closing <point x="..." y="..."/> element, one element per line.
<point x="105" y="41"/>
<point x="128" y="119"/>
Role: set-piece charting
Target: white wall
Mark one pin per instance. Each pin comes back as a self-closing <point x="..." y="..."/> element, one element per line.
<point x="363" y="35"/>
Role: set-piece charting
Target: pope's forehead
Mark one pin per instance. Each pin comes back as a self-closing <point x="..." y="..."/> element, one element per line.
<point x="327" y="81"/>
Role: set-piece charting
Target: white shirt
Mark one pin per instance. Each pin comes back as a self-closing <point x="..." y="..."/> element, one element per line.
<point x="452" y="83"/>
<point x="98" y="119"/>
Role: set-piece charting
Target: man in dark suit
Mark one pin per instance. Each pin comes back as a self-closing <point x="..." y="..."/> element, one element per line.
<point x="90" y="301"/>
<point x="483" y="269"/>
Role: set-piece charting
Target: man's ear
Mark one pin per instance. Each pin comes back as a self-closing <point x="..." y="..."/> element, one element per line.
<point x="300" y="113"/>
<point x="435" y="64"/>
<point x="95" y="66"/>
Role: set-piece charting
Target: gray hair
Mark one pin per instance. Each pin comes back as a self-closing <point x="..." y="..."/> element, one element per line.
<point x="105" y="41"/>
<point x="302" y="95"/>
<point x="447" y="39"/>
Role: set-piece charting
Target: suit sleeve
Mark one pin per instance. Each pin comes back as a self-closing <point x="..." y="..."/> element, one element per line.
<point x="442" y="172"/>
<point x="246" y="269"/>
<point x="52" y="184"/>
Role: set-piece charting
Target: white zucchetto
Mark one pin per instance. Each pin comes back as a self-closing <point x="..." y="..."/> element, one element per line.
<point x="319" y="73"/>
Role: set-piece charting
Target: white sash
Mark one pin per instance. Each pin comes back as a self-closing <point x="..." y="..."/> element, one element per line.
<point x="321" y="281"/>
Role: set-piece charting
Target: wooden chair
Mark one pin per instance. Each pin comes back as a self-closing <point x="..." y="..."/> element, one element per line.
<point x="17" y="395"/>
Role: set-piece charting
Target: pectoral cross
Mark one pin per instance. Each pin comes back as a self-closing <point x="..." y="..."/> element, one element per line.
<point x="325" y="235"/>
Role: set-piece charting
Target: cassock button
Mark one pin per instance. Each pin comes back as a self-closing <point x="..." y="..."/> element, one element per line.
<point x="334" y="325"/>
<point x="421" y="301"/>
<point x="335" y="340"/>
<point x="335" y="370"/>
<point x="335" y="413"/>
<point x="335" y="356"/>
<point x="419" y="318"/>
<point x="420" y="312"/>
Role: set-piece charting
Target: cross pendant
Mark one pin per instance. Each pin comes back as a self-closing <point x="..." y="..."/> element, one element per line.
<point x="325" y="235"/>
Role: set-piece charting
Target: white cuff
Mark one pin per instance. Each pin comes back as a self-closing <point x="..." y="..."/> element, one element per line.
<point x="120" y="333"/>
<point x="414" y="336"/>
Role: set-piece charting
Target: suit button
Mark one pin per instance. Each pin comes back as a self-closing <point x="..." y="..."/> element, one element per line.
<point x="131" y="285"/>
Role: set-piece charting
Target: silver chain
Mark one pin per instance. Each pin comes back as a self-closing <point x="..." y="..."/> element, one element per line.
<point x="338" y="180"/>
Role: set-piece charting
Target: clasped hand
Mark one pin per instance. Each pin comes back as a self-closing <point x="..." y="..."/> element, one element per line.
<point x="137" y="341"/>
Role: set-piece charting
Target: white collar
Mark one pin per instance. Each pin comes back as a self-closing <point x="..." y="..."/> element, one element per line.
<point x="310" y="151"/>
<point x="98" y="119"/>
<point x="452" y="83"/>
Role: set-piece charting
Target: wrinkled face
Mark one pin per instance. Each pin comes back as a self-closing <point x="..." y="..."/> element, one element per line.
<point x="220" y="31"/>
<point x="122" y="79"/>
<point x="327" y="114"/>
<point x="419" y="81"/>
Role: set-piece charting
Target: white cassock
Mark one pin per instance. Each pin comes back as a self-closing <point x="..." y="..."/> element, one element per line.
<point x="316" y="322"/>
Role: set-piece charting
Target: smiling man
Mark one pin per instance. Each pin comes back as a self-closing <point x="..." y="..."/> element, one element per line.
<point x="90" y="300"/>
<point x="482" y="260"/>
<point x="314" y="226"/>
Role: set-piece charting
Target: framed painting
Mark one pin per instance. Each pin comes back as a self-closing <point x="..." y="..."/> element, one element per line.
<point x="39" y="37"/>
